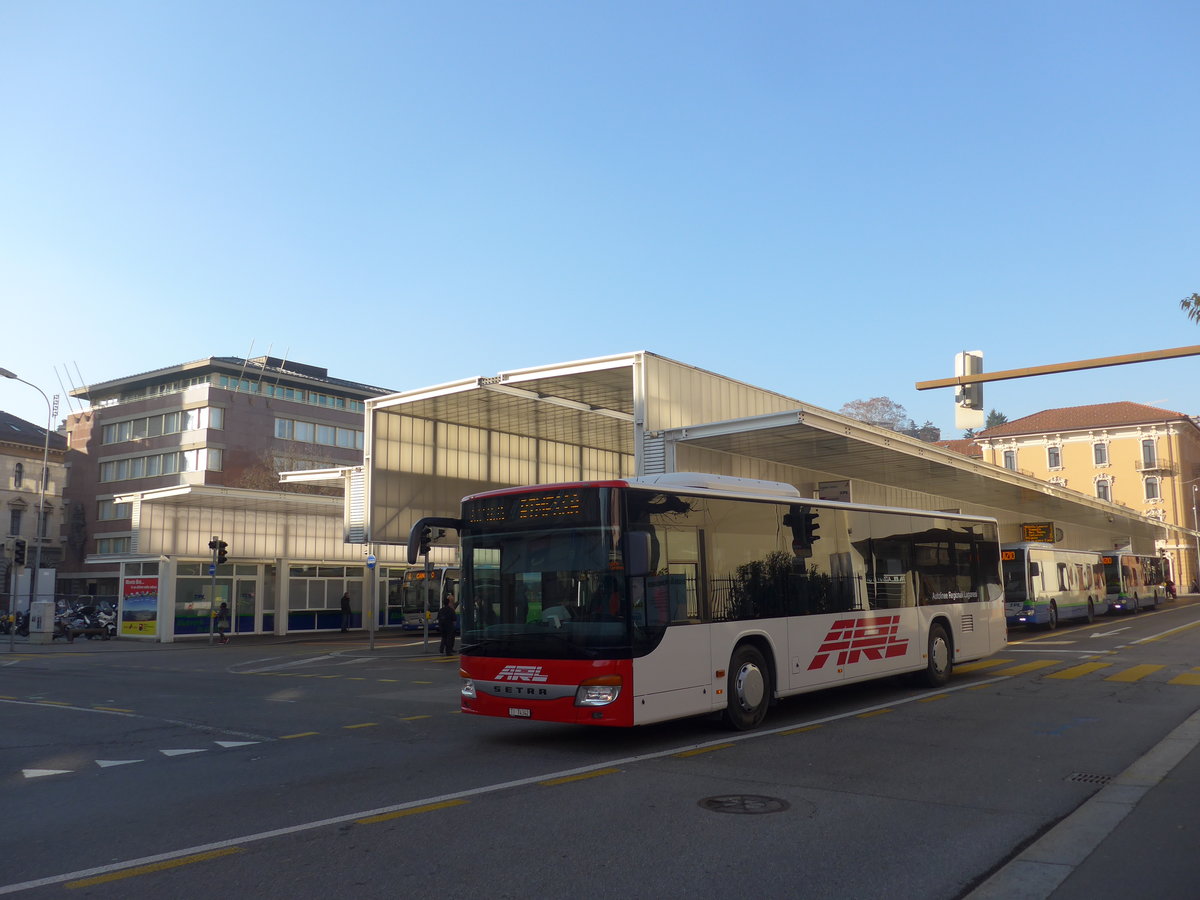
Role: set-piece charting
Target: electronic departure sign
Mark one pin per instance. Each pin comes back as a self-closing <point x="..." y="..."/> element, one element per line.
<point x="1038" y="531"/>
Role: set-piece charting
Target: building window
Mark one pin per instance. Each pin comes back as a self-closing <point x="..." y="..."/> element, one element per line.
<point x="18" y="475"/>
<point x="14" y="521"/>
<point x="1149" y="457"/>
<point x="1152" y="488"/>
<point x="110" y="509"/>
<point x="314" y="433"/>
<point x="166" y="423"/>
<point x="112" y="545"/>
<point x="162" y="464"/>
<point x="1104" y="489"/>
<point x="1100" y="453"/>
<point x="1054" y="457"/>
<point x="1010" y="460"/>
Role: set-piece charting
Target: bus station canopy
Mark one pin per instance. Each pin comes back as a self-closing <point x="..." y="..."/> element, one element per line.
<point x="653" y="410"/>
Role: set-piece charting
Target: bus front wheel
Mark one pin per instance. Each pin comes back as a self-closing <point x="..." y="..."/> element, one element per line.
<point x="749" y="689"/>
<point x="939" y="662"/>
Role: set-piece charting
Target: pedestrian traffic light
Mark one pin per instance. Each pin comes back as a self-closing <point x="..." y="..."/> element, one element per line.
<point x="19" y="552"/>
<point x="222" y="556"/>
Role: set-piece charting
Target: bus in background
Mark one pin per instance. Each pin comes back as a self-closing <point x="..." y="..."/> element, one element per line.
<point x="640" y="600"/>
<point x="421" y="595"/>
<point x="1044" y="584"/>
<point x="1134" y="582"/>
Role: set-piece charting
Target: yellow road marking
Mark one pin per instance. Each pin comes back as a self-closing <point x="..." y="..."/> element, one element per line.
<point x="873" y="713"/>
<point x="371" y="820"/>
<point x="1079" y="670"/>
<point x="982" y="664"/>
<point x="699" y="750"/>
<point x="1136" y="673"/>
<point x="414" y="718"/>
<point x="112" y="709"/>
<point x="934" y="697"/>
<point x="288" y="737"/>
<point x="362" y="725"/>
<point x="802" y="729"/>
<point x="555" y="781"/>
<point x="153" y="867"/>
<point x="1030" y="667"/>
<point x="1192" y="677"/>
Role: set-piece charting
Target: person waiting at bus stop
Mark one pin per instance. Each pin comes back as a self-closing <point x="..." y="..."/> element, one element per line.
<point x="447" y="623"/>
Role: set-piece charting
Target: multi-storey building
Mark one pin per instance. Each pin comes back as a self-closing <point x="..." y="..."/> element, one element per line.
<point x="218" y="422"/>
<point x="22" y="446"/>
<point x="1130" y="454"/>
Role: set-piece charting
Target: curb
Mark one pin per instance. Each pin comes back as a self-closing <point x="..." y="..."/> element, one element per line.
<point x="1043" y="866"/>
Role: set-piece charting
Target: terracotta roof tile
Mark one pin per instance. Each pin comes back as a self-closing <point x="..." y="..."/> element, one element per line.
<point x="1077" y="418"/>
<point x="965" y="446"/>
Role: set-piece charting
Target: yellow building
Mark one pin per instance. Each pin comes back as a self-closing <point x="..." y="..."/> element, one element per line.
<point x="1135" y="456"/>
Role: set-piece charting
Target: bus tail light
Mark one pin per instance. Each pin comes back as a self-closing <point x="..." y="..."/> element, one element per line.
<point x="598" y="691"/>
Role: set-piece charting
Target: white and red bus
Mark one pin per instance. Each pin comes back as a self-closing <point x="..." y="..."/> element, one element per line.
<point x="633" y="601"/>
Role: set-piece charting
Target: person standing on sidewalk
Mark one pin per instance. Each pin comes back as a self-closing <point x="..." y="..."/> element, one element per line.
<point x="447" y="624"/>
<point x="346" y="611"/>
<point x="223" y="622"/>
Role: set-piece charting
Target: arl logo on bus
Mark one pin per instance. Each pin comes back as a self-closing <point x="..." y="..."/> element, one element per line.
<point x="521" y="673"/>
<point x="858" y="639"/>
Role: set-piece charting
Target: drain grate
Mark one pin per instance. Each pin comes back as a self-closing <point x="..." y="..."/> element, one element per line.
<point x="744" y="804"/>
<point x="1089" y="778"/>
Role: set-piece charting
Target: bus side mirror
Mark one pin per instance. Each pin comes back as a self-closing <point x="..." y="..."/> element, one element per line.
<point x="1034" y="569"/>
<point x="637" y="553"/>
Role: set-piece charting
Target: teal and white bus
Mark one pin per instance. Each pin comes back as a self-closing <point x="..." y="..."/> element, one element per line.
<point x="1044" y="584"/>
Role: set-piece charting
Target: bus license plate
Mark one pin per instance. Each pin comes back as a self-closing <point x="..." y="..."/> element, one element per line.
<point x="519" y="713"/>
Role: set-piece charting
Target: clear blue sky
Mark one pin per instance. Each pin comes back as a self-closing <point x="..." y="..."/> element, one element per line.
<point x="825" y="199"/>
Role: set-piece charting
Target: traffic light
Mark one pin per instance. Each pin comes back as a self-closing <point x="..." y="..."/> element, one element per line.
<point x="803" y="522"/>
<point x="426" y="537"/>
<point x="19" y="552"/>
<point x="222" y="556"/>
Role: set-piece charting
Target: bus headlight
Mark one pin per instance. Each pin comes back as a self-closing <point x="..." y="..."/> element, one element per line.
<point x="598" y="691"/>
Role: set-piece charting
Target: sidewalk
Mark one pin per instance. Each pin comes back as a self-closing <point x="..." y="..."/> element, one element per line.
<point x="355" y="640"/>
<point x="1137" y="837"/>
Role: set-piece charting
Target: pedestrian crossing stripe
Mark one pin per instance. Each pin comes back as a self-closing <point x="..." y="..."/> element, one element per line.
<point x="1030" y="667"/>
<point x="1136" y="673"/>
<point x="1080" y="670"/>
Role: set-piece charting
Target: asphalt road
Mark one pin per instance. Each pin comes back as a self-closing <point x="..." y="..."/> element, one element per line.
<point x="323" y="769"/>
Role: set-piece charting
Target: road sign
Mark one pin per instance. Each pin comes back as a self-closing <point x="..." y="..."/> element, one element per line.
<point x="371" y="561"/>
<point x="212" y="569"/>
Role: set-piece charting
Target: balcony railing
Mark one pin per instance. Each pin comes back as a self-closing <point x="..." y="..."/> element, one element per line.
<point x="1156" y="466"/>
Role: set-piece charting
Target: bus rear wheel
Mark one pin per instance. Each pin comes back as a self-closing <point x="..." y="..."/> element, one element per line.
<point x="1052" y="619"/>
<point x="939" y="662"/>
<point x="748" y="692"/>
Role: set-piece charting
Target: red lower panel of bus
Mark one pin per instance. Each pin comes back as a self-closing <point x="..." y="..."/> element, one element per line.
<point x="545" y="690"/>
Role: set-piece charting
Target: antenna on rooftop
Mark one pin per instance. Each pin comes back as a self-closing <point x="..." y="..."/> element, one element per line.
<point x="245" y="362"/>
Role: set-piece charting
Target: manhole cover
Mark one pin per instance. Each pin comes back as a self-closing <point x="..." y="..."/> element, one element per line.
<point x="1088" y="778"/>
<point x="744" y="804"/>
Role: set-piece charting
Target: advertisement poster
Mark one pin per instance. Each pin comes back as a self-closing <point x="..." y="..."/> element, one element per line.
<point x="139" y="607"/>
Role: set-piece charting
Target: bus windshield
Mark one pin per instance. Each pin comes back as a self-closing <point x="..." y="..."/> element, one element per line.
<point x="1016" y="585"/>
<point x="545" y="576"/>
<point x="550" y="594"/>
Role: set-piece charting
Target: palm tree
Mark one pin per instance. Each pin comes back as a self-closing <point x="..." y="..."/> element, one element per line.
<point x="1191" y="305"/>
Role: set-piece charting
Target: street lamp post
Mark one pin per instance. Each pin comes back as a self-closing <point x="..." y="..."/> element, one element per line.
<point x="1196" y="528"/>
<point x="44" y="475"/>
